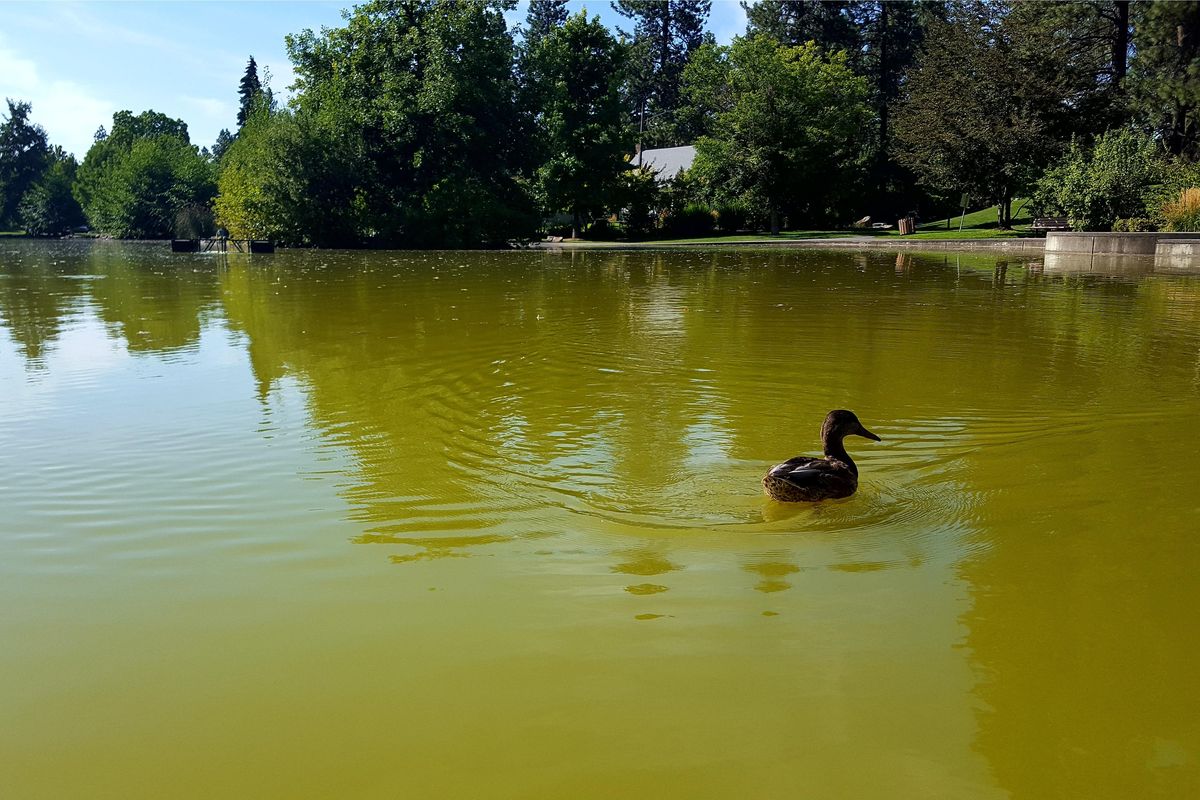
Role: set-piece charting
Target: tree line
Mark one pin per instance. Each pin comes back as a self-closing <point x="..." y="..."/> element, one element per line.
<point x="432" y="123"/>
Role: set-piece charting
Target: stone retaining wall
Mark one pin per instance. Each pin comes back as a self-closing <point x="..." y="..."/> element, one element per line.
<point x="1130" y="244"/>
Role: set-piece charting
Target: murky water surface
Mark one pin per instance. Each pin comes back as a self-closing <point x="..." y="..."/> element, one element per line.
<point x="490" y="526"/>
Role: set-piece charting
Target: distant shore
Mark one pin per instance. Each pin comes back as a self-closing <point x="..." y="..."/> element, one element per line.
<point x="1033" y="245"/>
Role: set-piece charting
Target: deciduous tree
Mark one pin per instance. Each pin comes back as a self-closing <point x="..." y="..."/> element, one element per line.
<point x="132" y="183"/>
<point x="48" y="207"/>
<point x="420" y="96"/>
<point x="24" y="157"/>
<point x="974" y="117"/>
<point x="789" y="133"/>
<point x="582" y="130"/>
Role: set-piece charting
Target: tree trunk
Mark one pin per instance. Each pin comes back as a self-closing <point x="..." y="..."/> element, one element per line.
<point x="1120" y="45"/>
<point x="1004" y="211"/>
<point x="575" y="224"/>
<point x="774" y="221"/>
<point x="882" y="164"/>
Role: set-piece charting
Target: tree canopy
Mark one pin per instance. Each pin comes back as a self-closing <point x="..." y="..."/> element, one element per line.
<point x="665" y="35"/>
<point x="24" y="157"/>
<point x="133" y="182"/>
<point x="975" y="118"/>
<point x="248" y="90"/>
<point x="582" y="132"/>
<point x="788" y="127"/>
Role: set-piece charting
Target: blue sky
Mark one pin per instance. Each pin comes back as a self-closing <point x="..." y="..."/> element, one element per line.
<point x="80" y="62"/>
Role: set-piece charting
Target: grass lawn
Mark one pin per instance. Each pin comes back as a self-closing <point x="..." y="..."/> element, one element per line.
<point x="980" y="224"/>
<point x="12" y="233"/>
<point x="982" y="220"/>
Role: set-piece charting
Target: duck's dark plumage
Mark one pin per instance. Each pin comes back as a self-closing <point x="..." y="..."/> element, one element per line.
<point x="808" y="479"/>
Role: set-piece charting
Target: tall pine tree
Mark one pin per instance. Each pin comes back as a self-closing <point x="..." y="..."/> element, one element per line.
<point x="829" y="23"/>
<point x="542" y="18"/>
<point x="1165" y="72"/>
<point x="248" y="90"/>
<point x="665" y="34"/>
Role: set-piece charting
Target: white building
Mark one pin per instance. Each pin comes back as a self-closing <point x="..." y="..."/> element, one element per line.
<point x="666" y="162"/>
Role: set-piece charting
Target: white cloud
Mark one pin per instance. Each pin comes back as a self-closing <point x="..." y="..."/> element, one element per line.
<point x="16" y="74"/>
<point x="68" y="111"/>
<point x="210" y="107"/>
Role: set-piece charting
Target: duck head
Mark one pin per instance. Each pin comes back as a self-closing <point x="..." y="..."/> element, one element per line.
<point x="842" y="423"/>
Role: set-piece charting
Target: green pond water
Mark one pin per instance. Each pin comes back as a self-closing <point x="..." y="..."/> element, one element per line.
<point x="489" y="525"/>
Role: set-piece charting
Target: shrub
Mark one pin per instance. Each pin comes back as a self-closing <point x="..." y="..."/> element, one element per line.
<point x="693" y="219"/>
<point x="1134" y="225"/>
<point x="600" y="230"/>
<point x="641" y="196"/>
<point x="1112" y="180"/>
<point x="1183" y="213"/>
<point x="731" y="217"/>
<point x="48" y="208"/>
<point x="194" y="221"/>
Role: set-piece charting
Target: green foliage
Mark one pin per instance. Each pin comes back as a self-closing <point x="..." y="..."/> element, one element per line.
<point x="665" y="35"/>
<point x="248" y="91"/>
<point x="1112" y="180"/>
<point x="975" y="118"/>
<point x="49" y="208"/>
<point x="1081" y="50"/>
<point x="405" y="130"/>
<point x="642" y="197"/>
<point x="788" y="133"/>
<point x="247" y="166"/>
<point x="24" y="157"/>
<point x="1134" y="225"/>
<point x="224" y="140"/>
<point x="1165" y="72"/>
<point x="694" y="219"/>
<point x="795" y="22"/>
<point x="133" y="182"/>
<point x="600" y="230"/>
<point x="542" y="18"/>
<point x="582" y="131"/>
<point x="194" y="221"/>
<point x="732" y="217"/>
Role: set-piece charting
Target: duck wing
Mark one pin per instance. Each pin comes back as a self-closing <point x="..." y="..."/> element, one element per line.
<point x="799" y="464"/>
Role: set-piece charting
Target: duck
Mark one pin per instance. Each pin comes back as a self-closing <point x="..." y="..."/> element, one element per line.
<point x="804" y="479"/>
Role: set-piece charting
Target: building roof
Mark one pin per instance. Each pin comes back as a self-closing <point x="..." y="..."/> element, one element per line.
<point x="667" y="162"/>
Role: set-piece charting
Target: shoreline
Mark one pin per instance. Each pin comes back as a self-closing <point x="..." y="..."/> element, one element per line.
<point x="843" y="243"/>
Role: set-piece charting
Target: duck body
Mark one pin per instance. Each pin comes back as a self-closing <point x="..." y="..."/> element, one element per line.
<point x="806" y="479"/>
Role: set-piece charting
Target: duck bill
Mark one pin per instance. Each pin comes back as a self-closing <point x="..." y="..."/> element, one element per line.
<point x="868" y="435"/>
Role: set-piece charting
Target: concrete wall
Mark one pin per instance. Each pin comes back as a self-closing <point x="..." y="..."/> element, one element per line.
<point x="1132" y="244"/>
<point x="1172" y="248"/>
<point x="1174" y="255"/>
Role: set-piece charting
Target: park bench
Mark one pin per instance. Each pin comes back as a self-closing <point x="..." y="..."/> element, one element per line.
<point x="1050" y="224"/>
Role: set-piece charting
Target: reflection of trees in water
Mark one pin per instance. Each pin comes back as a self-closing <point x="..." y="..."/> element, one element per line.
<point x="487" y="399"/>
<point x="472" y="386"/>
<point x="1079" y="628"/>
<point x="157" y="301"/>
<point x="35" y="299"/>
<point x="149" y="299"/>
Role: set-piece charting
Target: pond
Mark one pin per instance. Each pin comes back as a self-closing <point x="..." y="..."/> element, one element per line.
<point x="489" y="525"/>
